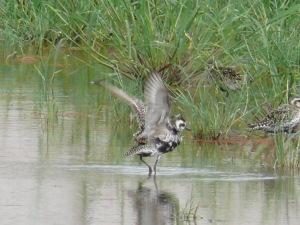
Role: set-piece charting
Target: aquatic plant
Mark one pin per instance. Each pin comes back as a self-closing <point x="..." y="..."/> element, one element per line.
<point x="189" y="213"/>
<point x="47" y="74"/>
<point x="287" y="150"/>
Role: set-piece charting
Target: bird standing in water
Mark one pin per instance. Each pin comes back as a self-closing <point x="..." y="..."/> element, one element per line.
<point x="283" y="119"/>
<point x="159" y="131"/>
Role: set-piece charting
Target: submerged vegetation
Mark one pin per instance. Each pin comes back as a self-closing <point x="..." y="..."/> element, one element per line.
<point x="184" y="40"/>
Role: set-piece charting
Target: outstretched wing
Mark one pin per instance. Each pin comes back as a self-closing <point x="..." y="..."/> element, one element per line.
<point x="136" y="104"/>
<point x="158" y="104"/>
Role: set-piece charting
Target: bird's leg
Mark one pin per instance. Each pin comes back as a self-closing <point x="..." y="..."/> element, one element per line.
<point x="150" y="169"/>
<point x="157" y="158"/>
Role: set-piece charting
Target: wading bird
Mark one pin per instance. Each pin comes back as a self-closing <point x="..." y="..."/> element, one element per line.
<point x="283" y="119"/>
<point x="159" y="131"/>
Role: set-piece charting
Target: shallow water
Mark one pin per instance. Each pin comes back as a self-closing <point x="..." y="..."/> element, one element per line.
<point x="69" y="169"/>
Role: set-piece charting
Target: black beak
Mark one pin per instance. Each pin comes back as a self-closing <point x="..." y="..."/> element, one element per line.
<point x="188" y="129"/>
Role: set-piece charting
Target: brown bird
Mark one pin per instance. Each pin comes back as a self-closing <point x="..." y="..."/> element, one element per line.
<point x="227" y="78"/>
<point x="283" y="119"/>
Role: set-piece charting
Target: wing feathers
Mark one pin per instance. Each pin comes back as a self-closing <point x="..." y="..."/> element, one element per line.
<point x="158" y="104"/>
<point x="136" y="104"/>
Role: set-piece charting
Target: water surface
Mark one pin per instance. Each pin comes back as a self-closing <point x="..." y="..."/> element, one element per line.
<point x="61" y="163"/>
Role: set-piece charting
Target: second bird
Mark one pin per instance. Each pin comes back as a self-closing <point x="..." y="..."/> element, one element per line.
<point x="283" y="119"/>
<point x="159" y="131"/>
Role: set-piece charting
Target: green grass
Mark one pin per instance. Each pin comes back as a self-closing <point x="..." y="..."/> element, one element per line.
<point x="287" y="151"/>
<point x="183" y="40"/>
<point x="48" y="105"/>
<point x="188" y="214"/>
<point x="211" y="116"/>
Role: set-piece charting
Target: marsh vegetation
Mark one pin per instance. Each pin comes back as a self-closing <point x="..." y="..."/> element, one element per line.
<point x="187" y="41"/>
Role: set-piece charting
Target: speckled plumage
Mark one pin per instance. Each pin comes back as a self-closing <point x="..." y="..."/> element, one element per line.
<point x="283" y="119"/>
<point x="160" y="143"/>
<point x="159" y="132"/>
<point x="227" y="78"/>
<point x="164" y="140"/>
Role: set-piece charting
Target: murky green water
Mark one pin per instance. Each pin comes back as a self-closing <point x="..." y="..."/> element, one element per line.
<point x="69" y="169"/>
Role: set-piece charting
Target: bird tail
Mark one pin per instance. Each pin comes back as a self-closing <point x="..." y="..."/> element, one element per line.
<point x="134" y="150"/>
<point x="251" y="126"/>
<point x="256" y="126"/>
<point x="142" y="149"/>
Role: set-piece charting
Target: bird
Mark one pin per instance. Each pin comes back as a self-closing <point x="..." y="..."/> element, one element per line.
<point x="164" y="139"/>
<point x="159" y="132"/>
<point x="227" y="78"/>
<point x="283" y="119"/>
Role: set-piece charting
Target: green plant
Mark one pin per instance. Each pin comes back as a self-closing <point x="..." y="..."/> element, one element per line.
<point x="286" y="151"/>
<point x="188" y="213"/>
<point x="212" y="116"/>
<point x="48" y="99"/>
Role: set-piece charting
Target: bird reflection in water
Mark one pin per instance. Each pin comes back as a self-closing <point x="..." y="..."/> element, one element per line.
<point x="153" y="206"/>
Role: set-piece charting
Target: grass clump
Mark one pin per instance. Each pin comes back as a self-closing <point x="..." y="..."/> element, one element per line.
<point x="214" y="115"/>
<point x="47" y="74"/>
<point x="287" y="151"/>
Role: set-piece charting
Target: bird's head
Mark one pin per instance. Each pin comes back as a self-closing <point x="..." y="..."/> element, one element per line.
<point x="296" y="102"/>
<point x="179" y="123"/>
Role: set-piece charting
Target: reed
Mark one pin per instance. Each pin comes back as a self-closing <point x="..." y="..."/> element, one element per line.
<point x="188" y="214"/>
<point x="287" y="151"/>
<point x="48" y="103"/>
